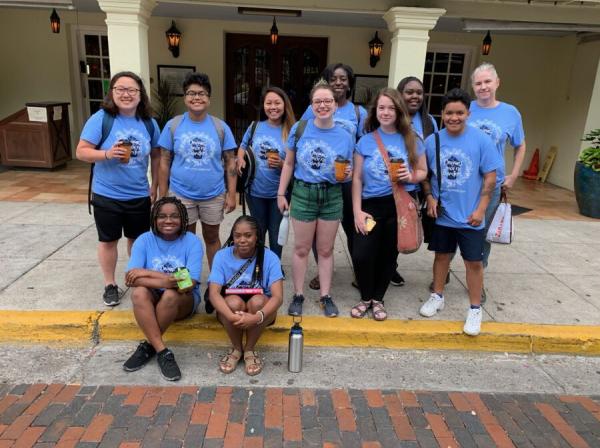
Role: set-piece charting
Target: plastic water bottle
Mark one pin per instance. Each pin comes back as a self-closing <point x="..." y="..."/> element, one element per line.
<point x="284" y="228"/>
<point x="295" y="348"/>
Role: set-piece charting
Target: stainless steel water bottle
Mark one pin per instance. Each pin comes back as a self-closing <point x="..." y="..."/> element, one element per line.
<point x="295" y="348"/>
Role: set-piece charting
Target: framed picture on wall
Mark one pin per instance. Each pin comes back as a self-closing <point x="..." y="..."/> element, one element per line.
<point x="366" y="88"/>
<point x="174" y="75"/>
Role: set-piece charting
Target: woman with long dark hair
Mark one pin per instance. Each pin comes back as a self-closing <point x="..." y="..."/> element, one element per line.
<point x="246" y="289"/>
<point x="120" y="140"/>
<point x="158" y="300"/>
<point x="267" y="139"/>
<point x="375" y="248"/>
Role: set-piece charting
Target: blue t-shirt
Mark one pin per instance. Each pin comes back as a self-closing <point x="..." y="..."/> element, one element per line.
<point x="113" y="179"/>
<point x="502" y="123"/>
<point x="345" y="116"/>
<point x="266" y="137"/>
<point x="226" y="264"/>
<point x="417" y="124"/>
<point x="317" y="150"/>
<point x="197" y="171"/>
<point x="375" y="177"/>
<point x="464" y="159"/>
<point x="151" y="252"/>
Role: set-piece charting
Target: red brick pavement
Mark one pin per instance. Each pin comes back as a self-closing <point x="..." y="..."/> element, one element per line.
<point x="57" y="415"/>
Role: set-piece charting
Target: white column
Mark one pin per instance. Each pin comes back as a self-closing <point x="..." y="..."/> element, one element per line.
<point x="127" y="22"/>
<point x="410" y="33"/>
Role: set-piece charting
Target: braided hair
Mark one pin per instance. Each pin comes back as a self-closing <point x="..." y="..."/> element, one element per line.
<point x="180" y="209"/>
<point x="257" y="275"/>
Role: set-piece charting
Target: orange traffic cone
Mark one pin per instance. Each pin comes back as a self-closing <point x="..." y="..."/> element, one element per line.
<point x="532" y="172"/>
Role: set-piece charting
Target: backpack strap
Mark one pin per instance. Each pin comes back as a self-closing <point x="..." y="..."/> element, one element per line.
<point x="149" y="127"/>
<point x="175" y="122"/>
<point x="299" y="131"/>
<point x="357" y="112"/>
<point x="107" y="123"/>
<point x="220" y="131"/>
<point x="253" y="127"/>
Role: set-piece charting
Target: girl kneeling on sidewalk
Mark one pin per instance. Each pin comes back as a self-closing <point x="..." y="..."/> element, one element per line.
<point x="246" y="289"/>
<point x="157" y="299"/>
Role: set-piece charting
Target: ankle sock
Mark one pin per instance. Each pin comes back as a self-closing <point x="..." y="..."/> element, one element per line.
<point x="475" y="307"/>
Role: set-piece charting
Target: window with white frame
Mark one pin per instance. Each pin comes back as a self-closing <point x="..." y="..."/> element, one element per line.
<point x="446" y="67"/>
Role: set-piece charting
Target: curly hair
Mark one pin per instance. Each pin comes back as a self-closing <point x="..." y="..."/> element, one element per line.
<point x="328" y="72"/>
<point x="257" y="275"/>
<point x="180" y="209"/>
<point x="402" y="124"/>
<point x="143" y="110"/>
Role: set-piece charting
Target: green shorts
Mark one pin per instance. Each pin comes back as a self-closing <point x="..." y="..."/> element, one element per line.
<point x="316" y="201"/>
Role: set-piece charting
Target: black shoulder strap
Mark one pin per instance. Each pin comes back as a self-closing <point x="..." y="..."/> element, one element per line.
<point x="237" y="275"/>
<point x="253" y="127"/>
<point x="150" y="128"/>
<point x="299" y="131"/>
<point x="107" y="124"/>
<point x="438" y="166"/>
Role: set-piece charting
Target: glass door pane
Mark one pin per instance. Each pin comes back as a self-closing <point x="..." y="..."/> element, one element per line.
<point x="96" y="79"/>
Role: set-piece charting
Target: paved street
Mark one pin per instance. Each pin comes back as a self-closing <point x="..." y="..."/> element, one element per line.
<point x="59" y="415"/>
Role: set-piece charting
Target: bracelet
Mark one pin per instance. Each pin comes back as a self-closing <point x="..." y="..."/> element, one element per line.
<point x="106" y="155"/>
<point x="262" y="317"/>
<point x="282" y="195"/>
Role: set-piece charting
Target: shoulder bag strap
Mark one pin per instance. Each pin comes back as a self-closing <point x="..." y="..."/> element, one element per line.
<point x="438" y="167"/>
<point x="396" y="187"/>
<point x="237" y="275"/>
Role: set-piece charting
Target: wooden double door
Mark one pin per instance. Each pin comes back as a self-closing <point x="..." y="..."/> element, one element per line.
<point x="253" y="63"/>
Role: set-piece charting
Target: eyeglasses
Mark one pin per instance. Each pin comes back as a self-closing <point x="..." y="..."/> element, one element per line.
<point x="122" y="90"/>
<point x="199" y="94"/>
<point x="326" y="102"/>
<point x="173" y="217"/>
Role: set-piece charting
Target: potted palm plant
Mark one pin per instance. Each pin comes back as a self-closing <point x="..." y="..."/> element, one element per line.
<point x="587" y="176"/>
<point x="166" y="103"/>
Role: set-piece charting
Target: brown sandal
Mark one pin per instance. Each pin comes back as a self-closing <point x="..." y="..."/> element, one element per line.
<point x="315" y="283"/>
<point x="229" y="362"/>
<point x="253" y="362"/>
<point x="359" y="310"/>
<point x="379" y="312"/>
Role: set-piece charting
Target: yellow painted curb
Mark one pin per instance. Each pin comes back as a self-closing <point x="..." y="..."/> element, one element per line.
<point x="83" y="326"/>
<point x="47" y="326"/>
<point x="392" y="334"/>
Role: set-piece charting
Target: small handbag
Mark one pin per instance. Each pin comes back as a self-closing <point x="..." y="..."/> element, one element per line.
<point x="501" y="229"/>
<point x="410" y="229"/>
<point x="208" y="306"/>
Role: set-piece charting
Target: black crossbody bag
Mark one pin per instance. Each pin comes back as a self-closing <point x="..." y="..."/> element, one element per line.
<point x="208" y="306"/>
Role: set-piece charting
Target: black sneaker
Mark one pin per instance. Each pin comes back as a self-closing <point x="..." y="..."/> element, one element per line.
<point x="397" y="279"/>
<point x="329" y="308"/>
<point x="168" y="366"/>
<point x="295" y="308"/>
<point x="111" y="295"/>
<point x="143" y="353"/>
<point x="447" y="281"/>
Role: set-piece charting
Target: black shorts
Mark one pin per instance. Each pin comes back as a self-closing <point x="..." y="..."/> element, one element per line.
<point x="446" y="239"/>
<point x="114" y="218"/>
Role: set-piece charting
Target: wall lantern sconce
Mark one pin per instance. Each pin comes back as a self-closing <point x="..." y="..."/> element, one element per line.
<point x="173" y="39"/>
<point x="55" y="22"/>
<point x="274" y="32"/>
<point x="375" y="47"/>
<point x="486" y="45"/>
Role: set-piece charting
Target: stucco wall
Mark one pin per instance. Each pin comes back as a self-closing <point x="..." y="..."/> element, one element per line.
<point x="550" y="79"/>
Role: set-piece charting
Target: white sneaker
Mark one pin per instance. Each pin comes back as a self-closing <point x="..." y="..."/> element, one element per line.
<point x="434" y="304"/>
<point x="473" y="323"/>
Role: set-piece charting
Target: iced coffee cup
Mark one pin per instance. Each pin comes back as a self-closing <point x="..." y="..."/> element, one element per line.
<point x="126" y="146"/>
<point x="395" y="164"/>
<point x="272" y="156"/>
<point x="340" y="168"/>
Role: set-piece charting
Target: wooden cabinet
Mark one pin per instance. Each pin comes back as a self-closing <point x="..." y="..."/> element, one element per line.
<point x="37" y="144"/>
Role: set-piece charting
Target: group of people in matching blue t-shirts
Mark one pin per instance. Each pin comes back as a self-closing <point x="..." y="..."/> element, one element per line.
<point x="336" y="158"/>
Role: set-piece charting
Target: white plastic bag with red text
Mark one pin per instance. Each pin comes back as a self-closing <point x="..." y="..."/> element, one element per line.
<point x="501" y="229"/>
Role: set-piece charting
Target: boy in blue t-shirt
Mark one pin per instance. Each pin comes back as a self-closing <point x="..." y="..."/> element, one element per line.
<point x="468" y="164"/>
<point x="194" y="147"/>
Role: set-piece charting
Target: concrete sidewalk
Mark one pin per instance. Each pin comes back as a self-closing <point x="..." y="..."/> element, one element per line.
<point x="547" y="281"/>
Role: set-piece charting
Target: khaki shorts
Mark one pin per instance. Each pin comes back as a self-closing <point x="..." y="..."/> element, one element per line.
<point x="209" y="211"/>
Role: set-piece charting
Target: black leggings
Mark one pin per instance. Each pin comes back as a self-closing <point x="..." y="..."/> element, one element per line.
<point x="374" y="255"/>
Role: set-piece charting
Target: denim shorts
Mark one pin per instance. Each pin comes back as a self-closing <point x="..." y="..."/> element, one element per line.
<point x="316" y="201"/>
<point x="446" y="239"/>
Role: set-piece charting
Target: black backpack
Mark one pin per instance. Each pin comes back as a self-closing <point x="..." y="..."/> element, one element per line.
<point x="245" y="179"/>
<point x="107" y="123"/>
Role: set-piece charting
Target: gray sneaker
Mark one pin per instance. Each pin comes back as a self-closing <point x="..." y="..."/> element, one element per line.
<point x="329" y="308"/>
<point x="112" y="295"/>
<point x="295" y="308"/>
